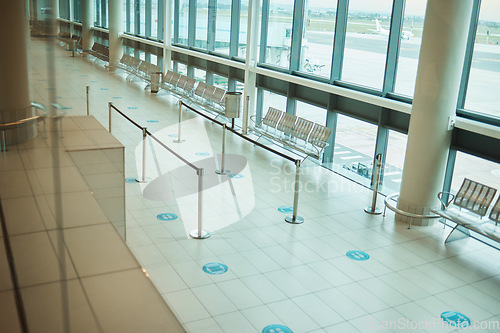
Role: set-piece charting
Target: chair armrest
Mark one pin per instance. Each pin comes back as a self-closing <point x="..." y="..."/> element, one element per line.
<point x="445" y="205"/>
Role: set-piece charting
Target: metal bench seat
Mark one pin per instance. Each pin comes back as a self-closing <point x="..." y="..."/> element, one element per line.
<point x="468" y="208"/>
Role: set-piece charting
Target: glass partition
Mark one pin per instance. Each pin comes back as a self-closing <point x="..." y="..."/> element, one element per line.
<point x="366" y="42"/>
<point x="201" y="23"/>
<point x="279" y="37"/>
<point x="223" y="27"/>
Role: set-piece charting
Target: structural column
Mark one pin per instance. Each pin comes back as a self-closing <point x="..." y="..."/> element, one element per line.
<point x="434" y="105"/>
<point x="115" y="12"/>
<point x="249" y="92"/>
<point x="87" y="22"/>
<point x="15" y="103"/>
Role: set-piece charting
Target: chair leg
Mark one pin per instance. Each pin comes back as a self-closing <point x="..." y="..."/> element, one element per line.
<point x="459" y="232"/>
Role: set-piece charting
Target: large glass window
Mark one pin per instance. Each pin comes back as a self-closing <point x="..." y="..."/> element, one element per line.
<point x="394" y="161"/>
<point x="242" y="43"/>
<point x="354" y="148"/>
<point x="366" y="42"/>
<point x="275" y="100"/>
<point x="101" y="13"/>
<point x="317" y="40"/>
<point x="77" y="10"/>
<point x="311" y="112"/>
<point x="484" y="80"/>
<point x="411" y="39"/>
<point x="63" y="10"/>
<point x="223" y="27"/>
<point x="279" y="36"/>
<point x="475" y="168"/>
<point x="183" y="23"/>
<point x="201" y="23"/>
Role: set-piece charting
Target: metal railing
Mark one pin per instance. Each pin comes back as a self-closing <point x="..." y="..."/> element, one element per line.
<point x="22" y="122"/>
<point x="404" y="213"/>
<point x="198" y="233"/>
<point x="294" y="218"/>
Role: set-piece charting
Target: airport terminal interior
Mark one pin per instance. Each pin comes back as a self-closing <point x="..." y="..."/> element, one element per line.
<point x="146" y="187"/>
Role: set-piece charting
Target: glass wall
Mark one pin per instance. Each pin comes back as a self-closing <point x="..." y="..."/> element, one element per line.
<point x="201" y="24"/>
<point x="101" y="13"/>
<point x="279" y="37"/>
<point x="477" y="169"/>
<point x="274" y="100"/>
<point x="223" y="27"/>
<point x="394" y="161"/>
<point x="413" y="23"/>
<point x="484" y="80"/>
<point x="317" y="39"/>
<point x="183" y="22"/>
<point x="366" y="42"/>
<point x="311" y="112"/>
<point x="354" y="148"/>
<point x="242" y="38"/>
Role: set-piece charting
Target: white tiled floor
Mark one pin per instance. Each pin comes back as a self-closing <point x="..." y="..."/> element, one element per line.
<point x="295" y="275"/>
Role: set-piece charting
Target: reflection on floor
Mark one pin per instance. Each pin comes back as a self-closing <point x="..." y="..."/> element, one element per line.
<point x="277" y="273"/>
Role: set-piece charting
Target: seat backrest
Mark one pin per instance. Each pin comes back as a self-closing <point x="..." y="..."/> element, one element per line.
<point x="189" y="84"/>
<point x="124" y="59"/>
<point x="168" y="76"/>
<point x="302" y="128"/>
<point x="209" y="91"/>
<point x="286" y="123"/>
<point x="200" y="88"/>
<point x="272" y="117"/>
<point x="474" y="197"/>
<point x="319" y="136"/>
<point x="495" y="212"/>
<point x="175" y="77"/>
<point x="144" y="66"/>
<point x="182" y="81"/>
<point x="218" y="96"/>
<point x="154" y="69"/>
<point x="135" y="62"/>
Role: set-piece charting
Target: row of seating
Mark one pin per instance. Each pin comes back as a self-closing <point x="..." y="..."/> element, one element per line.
<point x="210" y="97"/>
<point x="100" y="51"/>
<point x="72" y="42"/>
<point x="469" y="209"/>
<point x="142" y="69"/>
<point x="294" y="132"/>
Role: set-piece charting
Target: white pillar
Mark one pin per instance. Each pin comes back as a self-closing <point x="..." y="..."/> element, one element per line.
<point x="115" y="11"/>
<point x="250" y="63"/>
<point x="439" y="72"/>
<point x="14" y="84"/>
<point x="87" y="23"/>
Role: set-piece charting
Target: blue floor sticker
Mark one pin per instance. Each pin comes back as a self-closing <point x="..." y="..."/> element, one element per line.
<point x="117" y="97"/>
<point x="455" y="319"/>
<point x="276" y="328"/>
<point x="235" y="175"/>
<point x="172" y="135"/>
<point x="130" y="180"/>
<point x="202" y="154"/>
<point x="285" y="209"/>
<point x="358" y="255"/>
<point x="103" y="88"/>
<point x="132" y="107"/>
<point x="66" y="108"/>
<point x="166" y="217"/>
<point x="152" y="121"/>
<point x="215" y="268"/>
<point x="93" y="81"/>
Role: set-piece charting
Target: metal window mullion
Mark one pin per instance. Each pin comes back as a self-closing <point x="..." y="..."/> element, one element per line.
<point x="291" y="101"/>
<point x="104" y="13"/>
<point x="234" y="37"/>
<point x="339" y="40"/>
<point x="297" y="32"/>
<point x="127" y="15"/>
<point x="393" y="45"/>
<point x="137" y="17"/>
<point x="211" y="24"/>
<point x="259" y="105"/>
<point x="469" y="52"/>
<point x="381" y="144"/>
<point x="264" y="30"/>
<point x="448" y="176"/>
<point x="331" y="122"/>
<point x="148" y="18"/>
<point x="161" y="20"/>
<point x="176" y="15"/>
<point x="192" y="23"/>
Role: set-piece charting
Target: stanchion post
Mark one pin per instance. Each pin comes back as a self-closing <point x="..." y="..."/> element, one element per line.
<point x="180" y="120"/>
<point x="294" y="219"/>
<point x="87" y="91"/>
<point x="373" y="208"/>
<point x="144" y="136"/>
<point x="200" y="233"/>
<point x="223" y="171"/>
<point x="109" y="118"/>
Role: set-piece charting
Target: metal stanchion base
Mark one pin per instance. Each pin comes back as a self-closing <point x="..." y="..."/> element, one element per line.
<point x="179" y="141"/>
<point x="222" y="172"/>
<point x="296" y="220"/>
<point x="369" y="210"/>
<point x="204" y="234"/>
